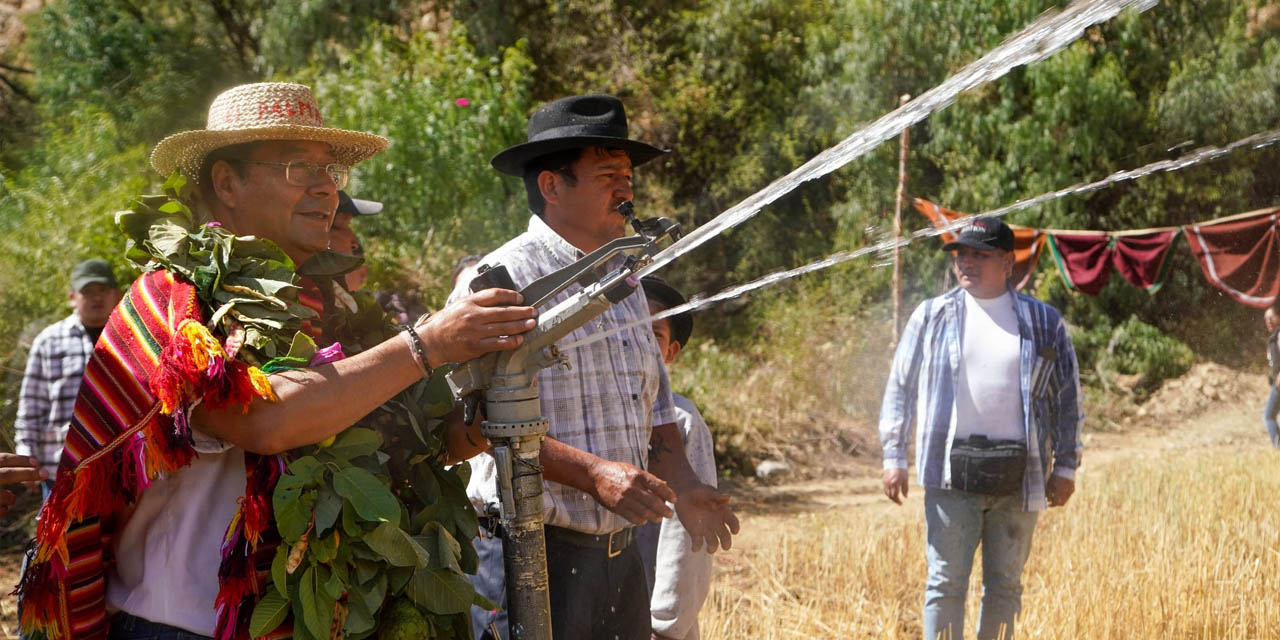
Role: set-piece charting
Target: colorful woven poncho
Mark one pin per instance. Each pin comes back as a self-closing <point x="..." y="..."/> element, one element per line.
<point x="340" y="540"/>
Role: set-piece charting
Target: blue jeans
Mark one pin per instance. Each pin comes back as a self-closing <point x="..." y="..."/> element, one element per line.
<point x="1269" y="416"/>
<point x="955" y="522"/>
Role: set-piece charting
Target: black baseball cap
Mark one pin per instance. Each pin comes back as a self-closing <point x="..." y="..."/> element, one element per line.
<point x="985" y="233"/>
<point x="90" y="272"/>
<point x="356" y="206"/>
<point x="655" y="288"/>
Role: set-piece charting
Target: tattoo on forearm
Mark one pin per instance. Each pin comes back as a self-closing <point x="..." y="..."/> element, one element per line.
<point x="657" y="447"/>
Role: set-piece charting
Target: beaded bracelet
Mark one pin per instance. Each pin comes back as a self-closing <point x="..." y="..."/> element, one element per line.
<point x="416" y="350"/>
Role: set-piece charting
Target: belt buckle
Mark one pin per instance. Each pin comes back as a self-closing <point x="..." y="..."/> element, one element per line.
<point x="620" y="534"/>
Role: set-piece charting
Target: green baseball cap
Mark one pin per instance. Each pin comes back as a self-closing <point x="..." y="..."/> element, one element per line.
<point x="91" y="271"/>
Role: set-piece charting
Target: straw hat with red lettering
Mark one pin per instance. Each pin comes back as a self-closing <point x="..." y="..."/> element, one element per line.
<point x="261" y="111"/>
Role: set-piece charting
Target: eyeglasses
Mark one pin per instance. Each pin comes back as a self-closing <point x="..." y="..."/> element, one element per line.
<point x="301" y="173"/>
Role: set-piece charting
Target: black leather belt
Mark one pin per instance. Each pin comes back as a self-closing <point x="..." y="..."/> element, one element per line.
<point x="614" y="543"/>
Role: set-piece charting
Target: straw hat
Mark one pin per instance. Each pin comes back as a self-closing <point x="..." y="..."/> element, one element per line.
<point x="261" y="111"/>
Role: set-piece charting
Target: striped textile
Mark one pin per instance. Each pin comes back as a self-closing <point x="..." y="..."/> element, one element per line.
<point x="153" y="361"/>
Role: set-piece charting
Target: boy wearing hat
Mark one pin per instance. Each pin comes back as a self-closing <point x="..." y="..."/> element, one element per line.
<point x="56" y="363"/>
<point x="613" y="457"/>
<point x="987" y="377"/>
<point x="342" y="238"/>
<point x="162" y="507"/>
<point x="679" y="578"/>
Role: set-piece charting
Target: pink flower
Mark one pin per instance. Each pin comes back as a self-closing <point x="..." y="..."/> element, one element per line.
<point x="462" y="102"/>
<point x="331" y="353"/>
<point x="215" y="223"/>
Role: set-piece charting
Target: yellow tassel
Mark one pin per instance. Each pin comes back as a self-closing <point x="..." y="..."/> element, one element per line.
<point x="261" y="385"/>
<point x="204" y="348"/>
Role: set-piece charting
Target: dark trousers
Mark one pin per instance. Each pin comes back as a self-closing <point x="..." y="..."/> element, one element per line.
<point x="128" y="627"/>
<point x="594" y="596"/>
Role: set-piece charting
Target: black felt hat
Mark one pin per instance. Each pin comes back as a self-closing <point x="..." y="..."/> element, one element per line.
<point x="657" y="289"/>
<point x="573" y="123"/>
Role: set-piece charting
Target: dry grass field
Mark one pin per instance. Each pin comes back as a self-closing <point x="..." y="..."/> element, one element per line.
<point x="1173" y="533"/>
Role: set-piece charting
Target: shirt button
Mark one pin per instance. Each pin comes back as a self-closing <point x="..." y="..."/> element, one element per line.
<point x="624" y="343"/>
<point x="635" y="397"/>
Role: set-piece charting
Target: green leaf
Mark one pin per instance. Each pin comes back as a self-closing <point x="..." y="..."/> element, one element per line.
<point x="484" y="603"/>
<point x="353" y="443"/>
<point x="373" y="593"/>
<point x="269" y="614"/>
<point x="365" y="570"/>
<point x="324" y="549"/>
<point x="360" y="618"/>
<point x="294" y="516"/>
<point x="398" y="577"/>
<point x="396" y="547"/>
<point x="440" y="591"/>
<point x="372" y="499"/>
<point x="279" y="573"/>
<point x="445" y="551"/>
<point x="317" y="608"/>
<point x="328" y="508"/>
<point x="350" y="525"/>
<point x="333" y="586"/>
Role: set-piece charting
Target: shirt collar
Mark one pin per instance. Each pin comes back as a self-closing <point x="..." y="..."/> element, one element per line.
<point x="556" y="246"/>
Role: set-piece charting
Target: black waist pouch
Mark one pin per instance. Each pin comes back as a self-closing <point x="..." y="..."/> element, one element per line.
<point x="988" y="467"/>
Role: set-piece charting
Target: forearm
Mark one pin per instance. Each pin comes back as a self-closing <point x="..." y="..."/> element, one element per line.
<point x="316" y="402"/>
<point x="568" y="466"/>
<point x="667" y="458"/>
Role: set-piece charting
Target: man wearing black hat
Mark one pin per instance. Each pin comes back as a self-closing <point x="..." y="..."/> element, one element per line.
<point x="614" y="457"/>
<point x="987" y="377"/>
<point x="57" y="361"/>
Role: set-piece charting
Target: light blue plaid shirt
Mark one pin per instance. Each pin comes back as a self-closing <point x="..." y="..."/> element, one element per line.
<point x="608" y="402"/>
<point x="921" y="393"/>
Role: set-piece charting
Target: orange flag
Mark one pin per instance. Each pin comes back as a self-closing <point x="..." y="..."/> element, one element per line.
<point x="1027" y="241"/>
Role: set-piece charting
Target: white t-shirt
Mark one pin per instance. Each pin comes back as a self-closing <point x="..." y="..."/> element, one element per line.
<point x="169" y="550"/>
<point x="989" y="393"/>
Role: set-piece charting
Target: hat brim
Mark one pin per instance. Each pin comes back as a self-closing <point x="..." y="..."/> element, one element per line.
<point x="356" y="206"/>
<point x="187" y="150"/>
<point x="974" y="244"/>
<point x="81" y="283"/>
<point x="669" y="297"/>
<point x="513" y="160"/>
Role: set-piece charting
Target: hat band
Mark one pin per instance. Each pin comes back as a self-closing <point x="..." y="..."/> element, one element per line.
<point x="581" y="131"/>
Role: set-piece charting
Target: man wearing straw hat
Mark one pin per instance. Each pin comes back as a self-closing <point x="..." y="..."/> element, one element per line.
<point x="177" y="428"/>
<point x="613" y="457"/>
<point x="988" y="379"/>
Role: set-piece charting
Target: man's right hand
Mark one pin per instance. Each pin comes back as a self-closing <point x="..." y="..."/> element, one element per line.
<point x="895" y="484"/>
<point x="631" y="492"/>
<point x="476" y="324"/>
<point x="15" y="468"/>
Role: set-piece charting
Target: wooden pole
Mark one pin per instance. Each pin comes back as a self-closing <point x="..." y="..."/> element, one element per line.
<point x="899" y="201"/>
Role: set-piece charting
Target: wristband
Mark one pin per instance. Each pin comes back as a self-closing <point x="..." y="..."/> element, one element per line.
<point x="415" y="349"/>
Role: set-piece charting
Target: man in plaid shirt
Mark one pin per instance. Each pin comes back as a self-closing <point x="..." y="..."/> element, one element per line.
<point x="614" y="456"/>
<point x="56" y="363"/>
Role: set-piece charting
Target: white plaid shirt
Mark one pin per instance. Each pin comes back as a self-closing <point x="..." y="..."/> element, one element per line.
<point x="610" y="400"/>
<point x="52" y="379"/>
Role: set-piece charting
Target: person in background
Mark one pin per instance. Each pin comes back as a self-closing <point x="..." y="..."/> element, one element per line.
<point x="1272" y="317"/>
<point x="988" y="379"/>
<point x="56" y="364"/>
<point x="679" y="577"/>
<point x="342" y="238"/>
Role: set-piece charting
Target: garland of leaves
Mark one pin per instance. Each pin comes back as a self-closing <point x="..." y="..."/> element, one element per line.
<point x="371" y="521"/>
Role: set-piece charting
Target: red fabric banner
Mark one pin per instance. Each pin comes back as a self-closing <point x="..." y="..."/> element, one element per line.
<point x="1141" y="258"/>
<point x="1027" y="241"/>
<point x="1083" y="259"/>
<point x="1241" y="257"/>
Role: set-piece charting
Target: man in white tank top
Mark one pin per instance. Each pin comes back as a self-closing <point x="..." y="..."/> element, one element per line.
<point x="980" y="366"/>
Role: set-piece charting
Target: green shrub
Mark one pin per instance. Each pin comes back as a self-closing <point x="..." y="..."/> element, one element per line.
<point x="1139" y="348"/>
